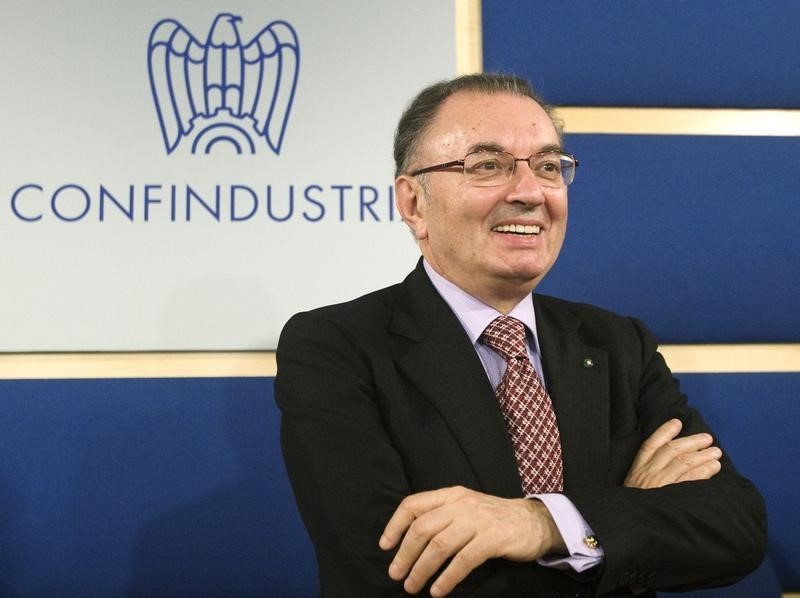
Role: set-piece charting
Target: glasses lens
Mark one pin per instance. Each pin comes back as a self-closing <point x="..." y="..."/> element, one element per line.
<point x="568" y="164"/>
<point x="553" y="169"/>
<point x="488" y="168"/>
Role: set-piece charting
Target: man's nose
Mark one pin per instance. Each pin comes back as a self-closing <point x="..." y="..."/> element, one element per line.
<point x="525" y="185"/>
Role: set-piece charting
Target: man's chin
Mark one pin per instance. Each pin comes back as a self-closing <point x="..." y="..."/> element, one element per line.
<point x="525" y="273"/>
<point x="520" y="282"/>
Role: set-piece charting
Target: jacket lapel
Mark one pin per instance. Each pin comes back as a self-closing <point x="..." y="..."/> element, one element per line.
<point x="577" y="378"/>
<point x="434" y="351"/>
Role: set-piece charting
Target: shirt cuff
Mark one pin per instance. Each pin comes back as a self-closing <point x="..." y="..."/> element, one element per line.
<point x="584" y="551"/>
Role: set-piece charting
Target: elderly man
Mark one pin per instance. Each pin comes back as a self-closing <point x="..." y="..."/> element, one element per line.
<point x="457" y="433"/>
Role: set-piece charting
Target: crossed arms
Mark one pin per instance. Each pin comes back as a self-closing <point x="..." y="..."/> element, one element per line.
<point x="469" y="527"/>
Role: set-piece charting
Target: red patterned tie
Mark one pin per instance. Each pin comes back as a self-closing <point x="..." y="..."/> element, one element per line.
<point x="527" y="410"/>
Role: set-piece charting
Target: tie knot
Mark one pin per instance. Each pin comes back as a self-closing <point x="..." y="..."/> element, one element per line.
<point x="506" y="336"/>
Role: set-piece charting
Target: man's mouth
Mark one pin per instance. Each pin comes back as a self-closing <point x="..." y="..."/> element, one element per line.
<point x="518" y="229"/>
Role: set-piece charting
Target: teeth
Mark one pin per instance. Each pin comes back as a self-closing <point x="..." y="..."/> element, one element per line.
<point x="520" y="229"/>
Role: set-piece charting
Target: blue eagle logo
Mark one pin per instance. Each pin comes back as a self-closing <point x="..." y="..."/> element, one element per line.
<point x="223" y="91"/>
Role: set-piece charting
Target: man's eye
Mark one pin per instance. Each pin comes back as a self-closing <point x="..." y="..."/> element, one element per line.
<point x="548" y="167"/>
<point x="487" y="166"/>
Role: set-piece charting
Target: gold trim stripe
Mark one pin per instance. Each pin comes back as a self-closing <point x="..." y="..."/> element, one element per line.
<point x="469" y="37"/>
<point x="42" y="366"/>
<point x="732" y="359"/>
<point x="15" y="366"/>
<point x="681" y="121"/>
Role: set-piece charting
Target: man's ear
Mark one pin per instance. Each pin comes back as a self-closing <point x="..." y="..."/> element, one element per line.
<point x="412" y="205"/>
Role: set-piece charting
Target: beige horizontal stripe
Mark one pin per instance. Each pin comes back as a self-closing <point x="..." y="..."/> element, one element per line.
<point x="681" y="121"/>
<point x="681" y="358"/>
<point x="137" y="365"/>
<point x="732" y="358"/>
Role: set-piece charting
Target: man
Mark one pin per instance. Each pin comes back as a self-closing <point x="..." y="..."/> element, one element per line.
<point x="456" y="433"/>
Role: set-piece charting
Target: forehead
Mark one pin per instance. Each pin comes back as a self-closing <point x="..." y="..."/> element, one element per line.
<point x="467" y="118"/>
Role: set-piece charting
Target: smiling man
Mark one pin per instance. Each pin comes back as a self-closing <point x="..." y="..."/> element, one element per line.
<point x="458" y="434"/>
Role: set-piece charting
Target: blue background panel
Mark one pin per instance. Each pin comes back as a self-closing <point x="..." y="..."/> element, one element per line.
<point x="756" y="417"/>
<point x="176" y="487"/>
<point x="706" y="53"/>
<point x="698" y="236"/>
<point x="147" y="488"/>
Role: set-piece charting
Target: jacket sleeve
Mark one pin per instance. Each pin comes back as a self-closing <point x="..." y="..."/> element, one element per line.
<point x="689" y="534"/>
<point x="346" y="475"/>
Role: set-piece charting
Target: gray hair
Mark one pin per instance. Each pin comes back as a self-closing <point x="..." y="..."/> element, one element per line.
<point x="419" y="115"/>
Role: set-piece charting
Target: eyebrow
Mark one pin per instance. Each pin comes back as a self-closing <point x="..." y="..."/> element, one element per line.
<point x="555" y="147"/>
<point x="488" y="146"/>
<point x="485" y="146"/>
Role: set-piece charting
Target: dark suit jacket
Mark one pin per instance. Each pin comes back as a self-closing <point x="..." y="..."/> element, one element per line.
<point x="384" y="396"/>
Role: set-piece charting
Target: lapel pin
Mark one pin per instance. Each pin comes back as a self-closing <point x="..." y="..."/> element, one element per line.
<point x="588" y="362"/>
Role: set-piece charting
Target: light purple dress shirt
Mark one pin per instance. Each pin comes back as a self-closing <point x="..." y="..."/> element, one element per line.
<point x="475" y="316"/>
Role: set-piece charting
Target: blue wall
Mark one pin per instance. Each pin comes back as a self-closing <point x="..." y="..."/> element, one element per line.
<point x="756" y="419"/>
<point x="147" y="487"/>
<point x="177" y="487"/>
<point x="695" y="235"/>
<point x="695" y="53"/>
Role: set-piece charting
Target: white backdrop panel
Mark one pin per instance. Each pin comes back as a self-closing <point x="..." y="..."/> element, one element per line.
<point x="107" y="244"/>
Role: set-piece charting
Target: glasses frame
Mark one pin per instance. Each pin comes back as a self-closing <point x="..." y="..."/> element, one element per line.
<point x="462" y="163"/>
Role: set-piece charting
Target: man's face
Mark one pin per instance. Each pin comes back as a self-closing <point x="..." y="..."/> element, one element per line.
<point x="463" y="230"/>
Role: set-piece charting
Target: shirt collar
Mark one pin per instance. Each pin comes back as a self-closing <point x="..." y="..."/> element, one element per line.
<point x="475" y="315"/>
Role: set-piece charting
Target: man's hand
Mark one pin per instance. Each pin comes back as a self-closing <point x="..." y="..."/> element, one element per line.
<point x="664" y="459"/>
<point x="467" y="526"/>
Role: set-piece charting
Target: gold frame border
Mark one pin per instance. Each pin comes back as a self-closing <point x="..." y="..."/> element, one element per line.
<point x="247" y="364"/>
<point x="46" y="366"/>
<point x="469" y="37"/>
<point x="681" y="121"/>
<point x="732" y="359"/>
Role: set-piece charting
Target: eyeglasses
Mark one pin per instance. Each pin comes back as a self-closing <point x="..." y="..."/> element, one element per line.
<point x="489" y="168"/>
